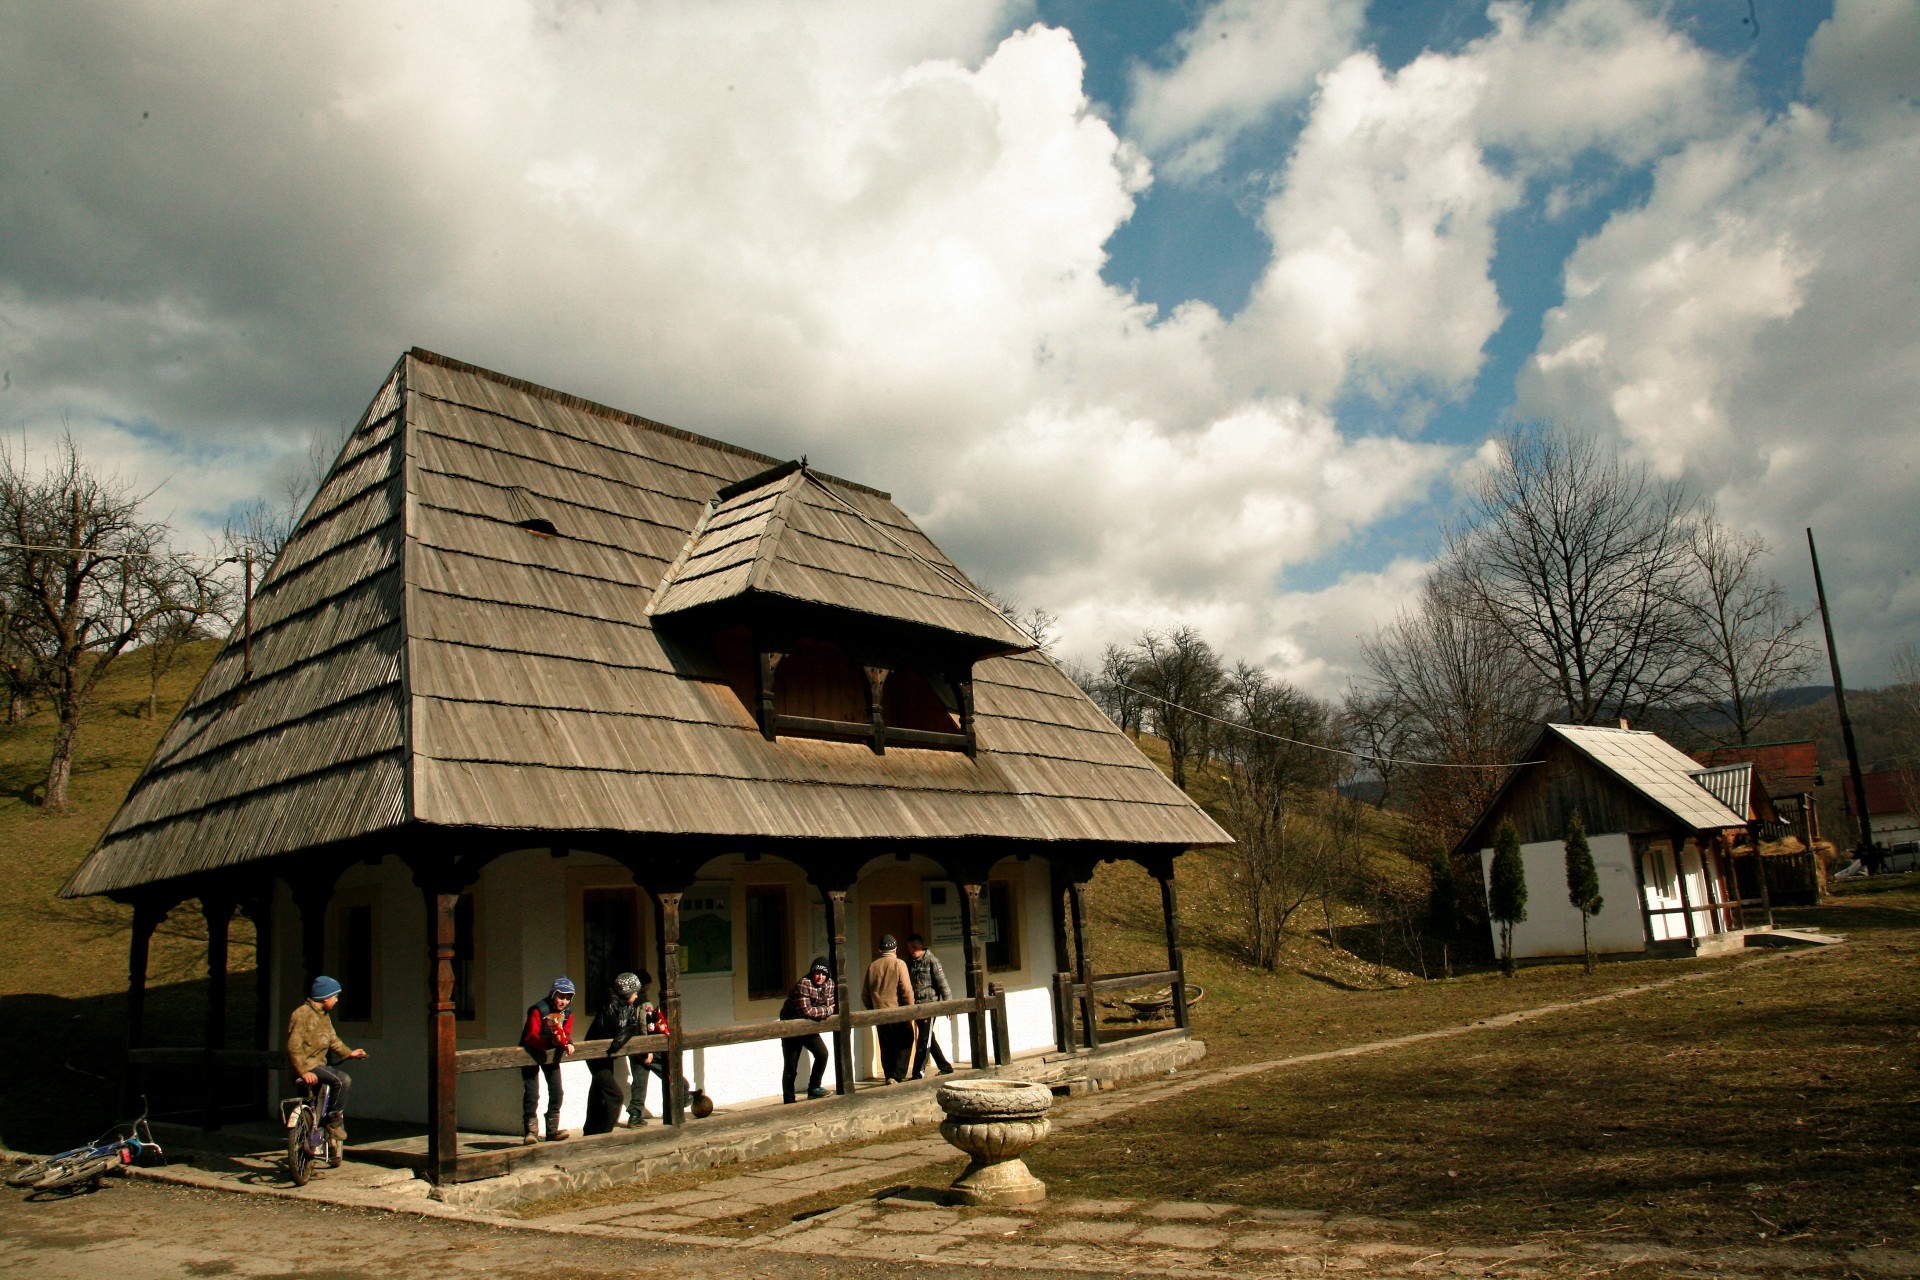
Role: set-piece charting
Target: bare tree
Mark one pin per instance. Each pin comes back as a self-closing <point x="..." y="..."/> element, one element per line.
<point x="1582" y="559"/>
<point x="262" y="527"/>
<point x="1270" y="776"/>
<point x="1111" y="687"/>
<point x="1745" y="633"/>
<point x="1461" y="697"/>
<point x="88" y="578"/>
<point x="1380" y="729"/>
<point x="1184" y="684"/>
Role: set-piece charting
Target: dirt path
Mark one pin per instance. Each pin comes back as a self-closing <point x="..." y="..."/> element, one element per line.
<point x="150" y="1231"/>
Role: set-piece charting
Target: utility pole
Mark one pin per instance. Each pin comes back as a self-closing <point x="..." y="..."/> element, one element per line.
<point x="1840" y="701"/>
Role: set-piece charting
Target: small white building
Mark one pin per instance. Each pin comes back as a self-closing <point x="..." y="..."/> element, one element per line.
<point x="539" y="687"/>
<point x="1661" y="829"/>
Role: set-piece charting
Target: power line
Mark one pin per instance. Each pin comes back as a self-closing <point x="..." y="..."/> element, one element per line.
<point x="122" y="555"/>
<point x="1063" y="662"/>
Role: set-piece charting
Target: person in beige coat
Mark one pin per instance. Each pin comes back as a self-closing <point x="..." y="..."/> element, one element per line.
<point x="312" y="1048"/>
<point x="888" y="986"/>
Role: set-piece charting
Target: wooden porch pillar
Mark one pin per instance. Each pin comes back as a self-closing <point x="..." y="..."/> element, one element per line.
<point x="836" y="904"/>
<point x="218" y="913"/>
<point x="1062" y="959"/>
<point x="1077" y="904"/>
<point x="311" y="894"/>
<point x="976" y="973"/>
<point x="1637" y="847"/>
<point x="666" y="908"/>
<point x="147" y="916"/>
<point x="1760" y="873"/>
<point x="259" y="909"/>
<point x="1176" y="959"/>
<point x="1680" y="874"/>
<point x="442" y="900"/>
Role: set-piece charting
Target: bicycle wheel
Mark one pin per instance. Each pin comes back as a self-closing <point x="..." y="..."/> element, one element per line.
<point x="30" y="1175"/>
<point x="299" y="1152"/>
<point x="83" y="1168"/>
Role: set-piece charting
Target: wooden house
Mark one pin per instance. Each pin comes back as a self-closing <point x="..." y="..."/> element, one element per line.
<point x="541" y="687"/>
<point x="1662" y="831"/>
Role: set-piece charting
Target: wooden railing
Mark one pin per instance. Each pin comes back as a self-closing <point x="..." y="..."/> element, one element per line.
<point x="1068" y="992"/>
<point x="995" y="1006"/>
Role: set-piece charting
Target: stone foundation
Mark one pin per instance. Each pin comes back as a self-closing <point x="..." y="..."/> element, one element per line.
<point x="584" y="1165"/>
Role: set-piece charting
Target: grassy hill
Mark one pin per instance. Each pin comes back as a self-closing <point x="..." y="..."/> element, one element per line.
<point x="63" y="971"/>
<point x="79" y="948"/>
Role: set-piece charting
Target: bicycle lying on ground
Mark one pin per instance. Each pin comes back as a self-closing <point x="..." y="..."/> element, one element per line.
<point x="122" y="1146"/>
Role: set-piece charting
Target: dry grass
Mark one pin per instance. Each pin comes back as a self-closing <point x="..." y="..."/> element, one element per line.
<point x="1778" y="1098"/>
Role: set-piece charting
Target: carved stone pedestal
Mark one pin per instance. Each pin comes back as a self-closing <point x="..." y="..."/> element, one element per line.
<point x="994" y="1121"/>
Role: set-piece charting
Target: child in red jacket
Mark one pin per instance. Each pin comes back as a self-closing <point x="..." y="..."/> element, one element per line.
<point x="549" y="1030"/>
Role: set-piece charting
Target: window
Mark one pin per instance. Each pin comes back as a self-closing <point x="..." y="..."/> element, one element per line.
<point x="1002" y="926"/>
<point x="357" y="946"/>
<point x="768" y="941"/>
<point x="466" y="999"/>
<point x="1661" y="872"/>
<point x="609" y="936"/>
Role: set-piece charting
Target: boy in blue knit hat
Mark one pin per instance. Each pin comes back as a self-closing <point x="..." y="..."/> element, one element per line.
<point x="312" y="1047"/>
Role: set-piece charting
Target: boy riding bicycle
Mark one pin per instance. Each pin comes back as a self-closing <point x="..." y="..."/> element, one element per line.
<point x="311" y="1041"/>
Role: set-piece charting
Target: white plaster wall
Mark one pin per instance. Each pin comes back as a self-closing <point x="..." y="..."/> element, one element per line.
<point x="1552" y="926"/>
<point x="522" y="905"/>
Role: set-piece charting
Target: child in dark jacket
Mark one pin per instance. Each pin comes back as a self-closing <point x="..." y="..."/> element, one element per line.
<point x="549" y="1029"/>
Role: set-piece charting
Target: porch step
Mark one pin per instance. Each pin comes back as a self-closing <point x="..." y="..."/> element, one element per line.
<point x="1793" y="938"/>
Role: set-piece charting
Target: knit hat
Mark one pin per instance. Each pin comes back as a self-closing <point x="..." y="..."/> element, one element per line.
<point x="819" y="966"/>
<point x="322" y="987"/>
<point x="563" y="986"/>
<point x="626" y="985"/>
<point x="888" y="944"/>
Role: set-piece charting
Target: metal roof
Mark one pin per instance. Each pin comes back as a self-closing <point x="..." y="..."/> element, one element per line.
<point x="1730" y="784"/>
<point x="1656" y="769"/>
<point x="424" y="651"/>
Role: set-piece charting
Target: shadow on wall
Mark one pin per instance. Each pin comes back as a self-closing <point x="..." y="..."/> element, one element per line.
<point x="60" y="1077"/>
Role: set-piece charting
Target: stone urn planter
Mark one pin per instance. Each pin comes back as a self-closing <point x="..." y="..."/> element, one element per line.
<point x="993" y="1121"/>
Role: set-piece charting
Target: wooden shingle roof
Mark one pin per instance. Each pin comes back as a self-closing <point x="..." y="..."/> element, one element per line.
<point x="789" y="534"/>
<point x="426" y="651"/>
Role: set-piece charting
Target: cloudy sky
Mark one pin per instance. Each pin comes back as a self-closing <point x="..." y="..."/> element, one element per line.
<point x="1151" y="312"/>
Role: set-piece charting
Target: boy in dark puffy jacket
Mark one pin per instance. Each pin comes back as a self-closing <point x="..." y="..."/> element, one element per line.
<point x="549" y="1028"/>
<point x="620" y="1021"/>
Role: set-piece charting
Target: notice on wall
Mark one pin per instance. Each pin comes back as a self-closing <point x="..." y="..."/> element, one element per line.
<point x="943" y="914"/>
<point x="706" y="928"/>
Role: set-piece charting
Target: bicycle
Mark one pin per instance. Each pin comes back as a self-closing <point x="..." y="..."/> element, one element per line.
<point x="304" y="1118"/>
<point x="120" y="1147"/>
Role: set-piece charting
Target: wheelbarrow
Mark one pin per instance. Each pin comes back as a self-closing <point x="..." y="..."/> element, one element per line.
<point x="1160" y="1003"/>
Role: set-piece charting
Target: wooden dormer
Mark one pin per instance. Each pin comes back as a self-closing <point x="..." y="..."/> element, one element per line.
<point x="831" y="616"/>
